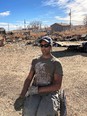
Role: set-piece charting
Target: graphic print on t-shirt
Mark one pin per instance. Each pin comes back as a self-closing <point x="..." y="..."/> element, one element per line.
<point x="42" y="76"/>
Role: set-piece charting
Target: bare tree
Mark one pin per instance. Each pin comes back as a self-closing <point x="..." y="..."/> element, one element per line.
<point x="85" y="21"/>
<point x="36" y="24"/>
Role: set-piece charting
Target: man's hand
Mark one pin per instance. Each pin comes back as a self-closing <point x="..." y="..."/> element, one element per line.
<point x="18" y="105"/>
<point x="33" y="90"/>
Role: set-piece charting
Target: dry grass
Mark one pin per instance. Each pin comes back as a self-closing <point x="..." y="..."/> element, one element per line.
<point x="78" y="31"/>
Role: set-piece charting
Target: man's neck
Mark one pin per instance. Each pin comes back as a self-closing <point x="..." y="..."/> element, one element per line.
<point x="47" y="56"/>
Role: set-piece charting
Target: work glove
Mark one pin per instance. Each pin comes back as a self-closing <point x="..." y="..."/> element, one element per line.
<point x="33" y="90"/>
<point x="19" y="103"/>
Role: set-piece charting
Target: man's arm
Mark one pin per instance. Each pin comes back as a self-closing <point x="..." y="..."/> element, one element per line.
<point x="19" y="102"/>
<point x="27" y="83"/>
<point x="51" y="88"/>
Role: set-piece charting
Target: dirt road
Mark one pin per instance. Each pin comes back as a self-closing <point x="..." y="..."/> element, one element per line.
<point x="15" y="62"/>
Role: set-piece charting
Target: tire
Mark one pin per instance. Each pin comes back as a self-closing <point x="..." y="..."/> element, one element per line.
<point x="63" y="109"/>
<point x="85" y="49"/>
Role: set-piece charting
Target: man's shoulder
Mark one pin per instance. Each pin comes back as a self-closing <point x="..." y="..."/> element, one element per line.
<point x="55" y="59"/>
<point x="36" y="58"/>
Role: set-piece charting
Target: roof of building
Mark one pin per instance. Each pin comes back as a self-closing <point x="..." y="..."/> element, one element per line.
<point x="61" y="24"/>
<point x="2" y="29"/>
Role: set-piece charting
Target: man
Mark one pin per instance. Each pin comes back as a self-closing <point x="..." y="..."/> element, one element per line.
<point x="42" y="84"/>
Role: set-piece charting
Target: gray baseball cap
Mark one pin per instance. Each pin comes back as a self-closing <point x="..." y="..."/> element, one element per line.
<point x="47" y="39"/>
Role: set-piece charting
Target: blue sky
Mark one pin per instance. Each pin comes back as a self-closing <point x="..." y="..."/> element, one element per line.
<point x="14" y="12"/>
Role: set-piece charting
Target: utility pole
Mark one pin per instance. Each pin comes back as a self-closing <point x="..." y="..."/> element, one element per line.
<point x="8" y="26"/>
<point x="70" y="18"/>
<point x="24" y="24"/>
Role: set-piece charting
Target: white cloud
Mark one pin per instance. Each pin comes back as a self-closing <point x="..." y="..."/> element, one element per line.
<point x="55" y="2"/>
<point x="4" y="25"/>
<point x="9" y="26"/>
<point x="61" y="18"/>
<point x="50" y="3"/>
<point x="78" y="9"/>
<point x="5" y="13"/>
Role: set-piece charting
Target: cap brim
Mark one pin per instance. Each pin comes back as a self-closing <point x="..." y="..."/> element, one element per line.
<point x="43" y="40"/>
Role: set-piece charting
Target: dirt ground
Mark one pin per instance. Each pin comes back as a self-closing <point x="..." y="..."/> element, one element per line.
<point x="15" y="62"/>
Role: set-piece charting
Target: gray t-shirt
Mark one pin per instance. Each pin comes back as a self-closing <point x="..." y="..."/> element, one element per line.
<point x="44" y="69"/>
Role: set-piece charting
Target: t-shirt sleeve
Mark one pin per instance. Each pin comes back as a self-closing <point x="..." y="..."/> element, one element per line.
<point x="58" y="68"/>
<point x="33" y="65"/>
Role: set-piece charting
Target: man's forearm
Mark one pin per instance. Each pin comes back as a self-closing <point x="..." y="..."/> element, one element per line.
<point x="25" y="88"/>
<point x="48" y="89"/>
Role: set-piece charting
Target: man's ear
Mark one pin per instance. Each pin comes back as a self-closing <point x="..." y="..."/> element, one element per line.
<point x="51" y="48"/>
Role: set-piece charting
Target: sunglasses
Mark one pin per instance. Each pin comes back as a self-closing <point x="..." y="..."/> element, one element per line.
<point x="45" y="45"/>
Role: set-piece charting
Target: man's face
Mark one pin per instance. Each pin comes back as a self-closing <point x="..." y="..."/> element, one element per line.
<point x="45" y="48"/>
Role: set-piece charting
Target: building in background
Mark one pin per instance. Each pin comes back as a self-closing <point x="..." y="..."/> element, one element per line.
<point x="2" y="31"/>
<point x="59" y="27"/>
